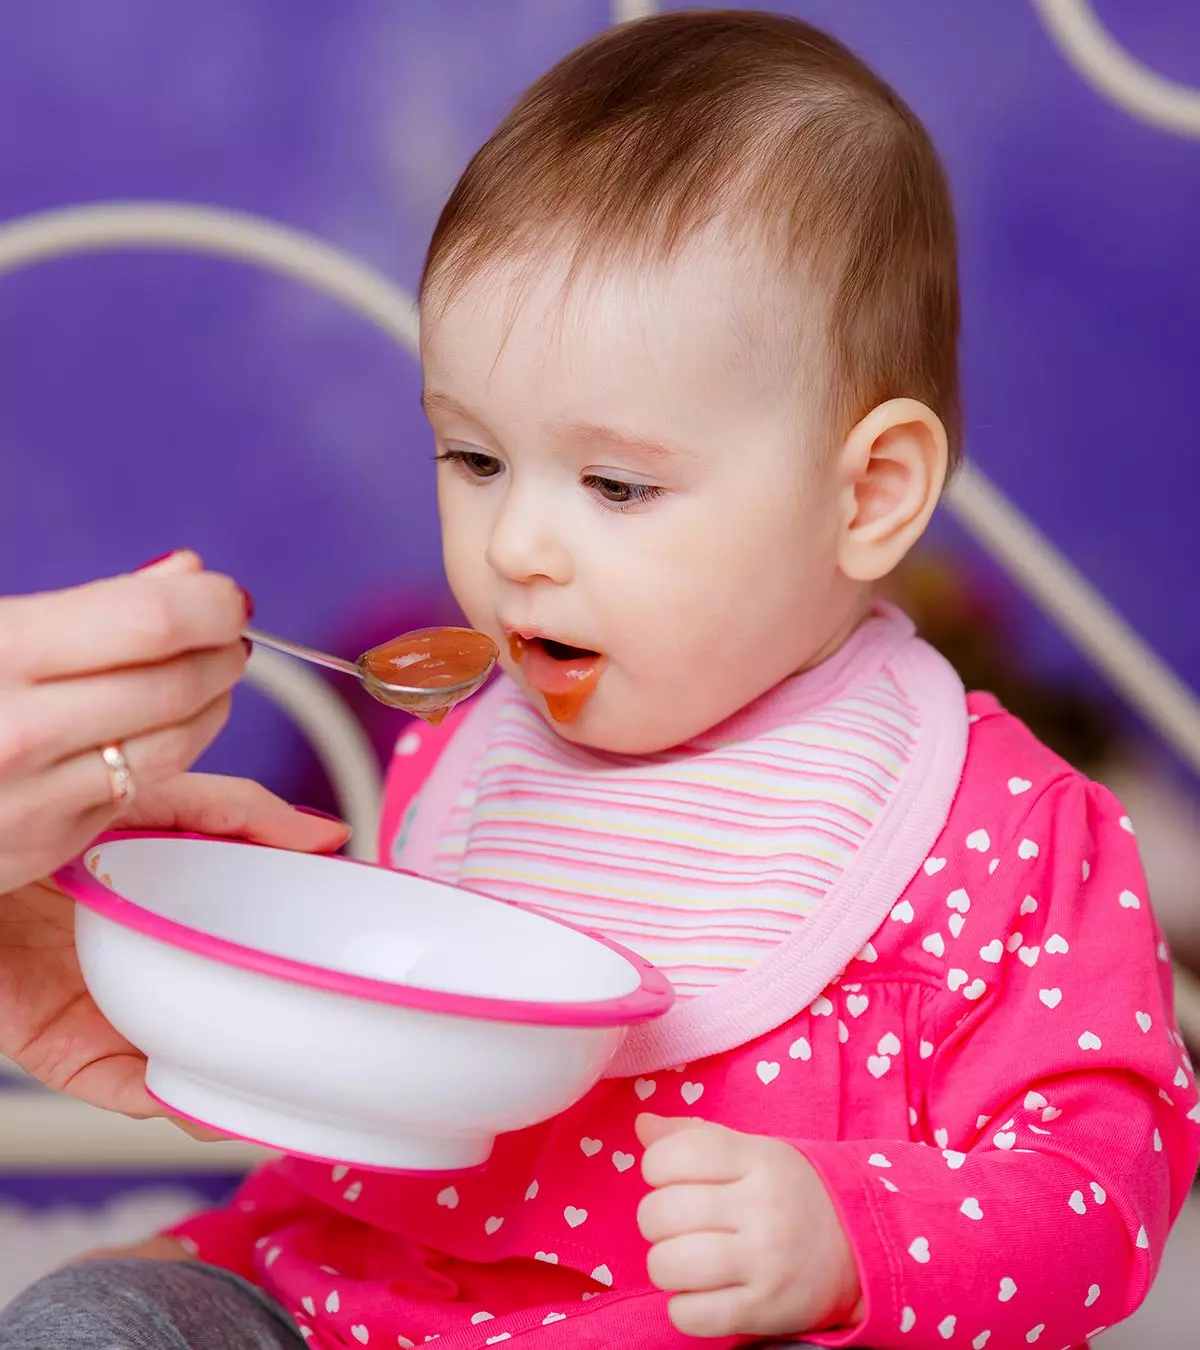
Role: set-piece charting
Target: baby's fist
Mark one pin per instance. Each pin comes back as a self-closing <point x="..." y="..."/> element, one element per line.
<point x="743" y="1232"/>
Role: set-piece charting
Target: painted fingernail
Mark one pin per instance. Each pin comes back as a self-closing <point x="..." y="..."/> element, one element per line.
<point x="249" y="602"/>
<point x="155" y="561"/>
<point x="321" y="815"/>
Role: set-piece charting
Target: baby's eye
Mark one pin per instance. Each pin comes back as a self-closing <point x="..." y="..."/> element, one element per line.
<point x="474" y="463"/>
<point x="620" y="493"/>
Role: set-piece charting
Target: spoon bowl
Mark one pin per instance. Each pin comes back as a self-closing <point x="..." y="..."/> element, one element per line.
<point x="425" y="672"/>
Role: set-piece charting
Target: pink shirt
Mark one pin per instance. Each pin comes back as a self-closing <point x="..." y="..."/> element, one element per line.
<point x="971" y="1039"/>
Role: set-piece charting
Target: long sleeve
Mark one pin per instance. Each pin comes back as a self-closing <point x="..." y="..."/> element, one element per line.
<point x="1057" y="1127"/>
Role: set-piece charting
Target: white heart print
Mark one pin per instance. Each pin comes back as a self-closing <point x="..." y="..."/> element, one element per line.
<point x="975" y="990"/>
<point x="933" y="866"/>
<point x="889" y="1044"/>
<point x="590" y="1147"/>
<point x="821" y="1007"/>
<point x="1034" y="1333"/>
<point x="908" y="1320"/>
<point x="981" y="1340"/>
<point x="338" y="1173"/>
<point x="1127" y="900"/>
<point x="691" y="1092"/>
<point x="1092" y="1295"/>
<point x="992" y="952"/>
<point x="878" y="1160"/>
<point x="602" y="1275"/>
<point x="954" y="1159"/>
<point x="1028" y="956"/>
<point x="644" y="1087"/>
<point x="408" y="744"/>
<point x="959" y="900"/>
<point x="360" y="1333"/>
<point x="1007" y="1289"/>
<point x="1027" y="849"/>
<point x="878" y="1065"/>
<point x="448" y="1198"/>
<point x="574" y="1217"/>
<point x="531" y="1193"/>
<point x="857" y="1004"/>
<point x="353" y="1191"/>
<point x="1144" y="1020"/>
<point x="800" y="1049"/>
<point x="1034" y="1101"/>
<point x="1056" y="945"/>
<point x="902" y="912"/>
<point x="1089" y="1041"/>
<point x="308" y="1305"/>
<point x="970" y="1207"/>
<point x="1098" y="1193"/>
<point x="935" y="944"/>
<point x="1077" y="1202"/>
<point x="1019" y="785"/>
<point x="1028" y="905"/>
<point x="1004" y="1139"/>
<point x="918" y="1249"/>
<point x="941" y="1138"/>
<point x="493" y="1225"/>
<point x="553" y="1317"/>
<point x="768" y="1071"/>
<point x="622" y="1161"/>
<point x="333" y="1302"/>
<point x="955" y="924"/>
<point x="946" y="1326"/>
<point x="550" y="1258"/>
<point x="979" y="840"/>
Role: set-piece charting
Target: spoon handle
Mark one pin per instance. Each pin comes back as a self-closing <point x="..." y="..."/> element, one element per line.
<point x="303" y="653"/>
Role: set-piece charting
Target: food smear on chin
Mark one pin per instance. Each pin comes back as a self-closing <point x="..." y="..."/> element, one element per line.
<point x="565" y="677"/>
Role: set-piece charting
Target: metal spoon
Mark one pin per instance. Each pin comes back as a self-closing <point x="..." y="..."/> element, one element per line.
<point x="425" y="672"/>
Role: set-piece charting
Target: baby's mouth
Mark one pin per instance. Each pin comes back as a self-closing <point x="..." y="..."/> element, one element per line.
<point x="564" y="675"/>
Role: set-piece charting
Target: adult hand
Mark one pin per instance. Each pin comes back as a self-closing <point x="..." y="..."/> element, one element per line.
<point x="144" y="661"/>
<point x="48" y="1022"/>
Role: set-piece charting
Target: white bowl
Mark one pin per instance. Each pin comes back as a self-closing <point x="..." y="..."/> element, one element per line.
<point x="341" y="1011"/>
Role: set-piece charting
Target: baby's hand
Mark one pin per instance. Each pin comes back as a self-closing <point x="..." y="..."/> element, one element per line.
<point x="743" y="1232"/>
<point x="159" y="1248"/>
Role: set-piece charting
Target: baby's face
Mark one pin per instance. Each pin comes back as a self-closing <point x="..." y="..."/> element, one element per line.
<point x="622" y="475"/>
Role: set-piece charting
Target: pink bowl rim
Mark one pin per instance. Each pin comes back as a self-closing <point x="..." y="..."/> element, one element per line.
<point x="653" y="996"/>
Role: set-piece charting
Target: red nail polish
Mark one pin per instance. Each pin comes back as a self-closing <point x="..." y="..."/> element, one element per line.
<point x="249" y="601"/>
<point x="321" y="815"/>
<point x="155" y="561"/>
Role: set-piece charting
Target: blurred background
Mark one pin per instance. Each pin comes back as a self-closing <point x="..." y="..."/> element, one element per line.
<point x="150" y="400"/>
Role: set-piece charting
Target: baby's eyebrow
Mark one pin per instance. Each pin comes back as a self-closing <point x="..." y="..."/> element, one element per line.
<point x="433" y="401"/>
<point x="596" y="433"/>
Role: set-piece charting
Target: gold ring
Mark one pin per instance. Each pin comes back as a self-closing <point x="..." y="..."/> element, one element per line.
<point x="120" y="780"/>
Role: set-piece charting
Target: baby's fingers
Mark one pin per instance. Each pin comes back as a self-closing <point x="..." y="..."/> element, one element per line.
<point x="676" y="1210"/>
<point x="712" y="1312"/>
<point x="695" y="1262"/>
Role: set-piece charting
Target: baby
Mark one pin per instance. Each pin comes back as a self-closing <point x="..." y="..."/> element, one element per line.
<point x="688" y="335"/>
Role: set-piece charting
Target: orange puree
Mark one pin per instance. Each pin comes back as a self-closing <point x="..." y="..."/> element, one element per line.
<point x="564" y="685"/>
<point x="443" y="663"/>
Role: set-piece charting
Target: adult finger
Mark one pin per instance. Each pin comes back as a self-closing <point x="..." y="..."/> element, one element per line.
<point x="81" y="783"/>
<point x="43" y="723"/>
<point x="672" y="1211"/>
<point x="231" y="808"/>
<point x="124" y="621"/>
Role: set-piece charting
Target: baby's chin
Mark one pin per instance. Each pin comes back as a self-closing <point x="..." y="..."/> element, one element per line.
<point x="610" y="725"/>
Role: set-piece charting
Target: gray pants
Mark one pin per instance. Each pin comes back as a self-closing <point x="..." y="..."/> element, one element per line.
<point x="145" y="1305"/>
<point x="155" y="1305"/>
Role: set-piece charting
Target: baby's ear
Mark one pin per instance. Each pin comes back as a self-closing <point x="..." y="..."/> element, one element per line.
<point x="893" y="468"/>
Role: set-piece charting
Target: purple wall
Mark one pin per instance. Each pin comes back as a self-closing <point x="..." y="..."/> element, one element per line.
<point x="154" y="401"/>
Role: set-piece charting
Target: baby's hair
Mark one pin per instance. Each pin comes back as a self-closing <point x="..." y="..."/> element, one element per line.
<point x="656" y="129"/>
